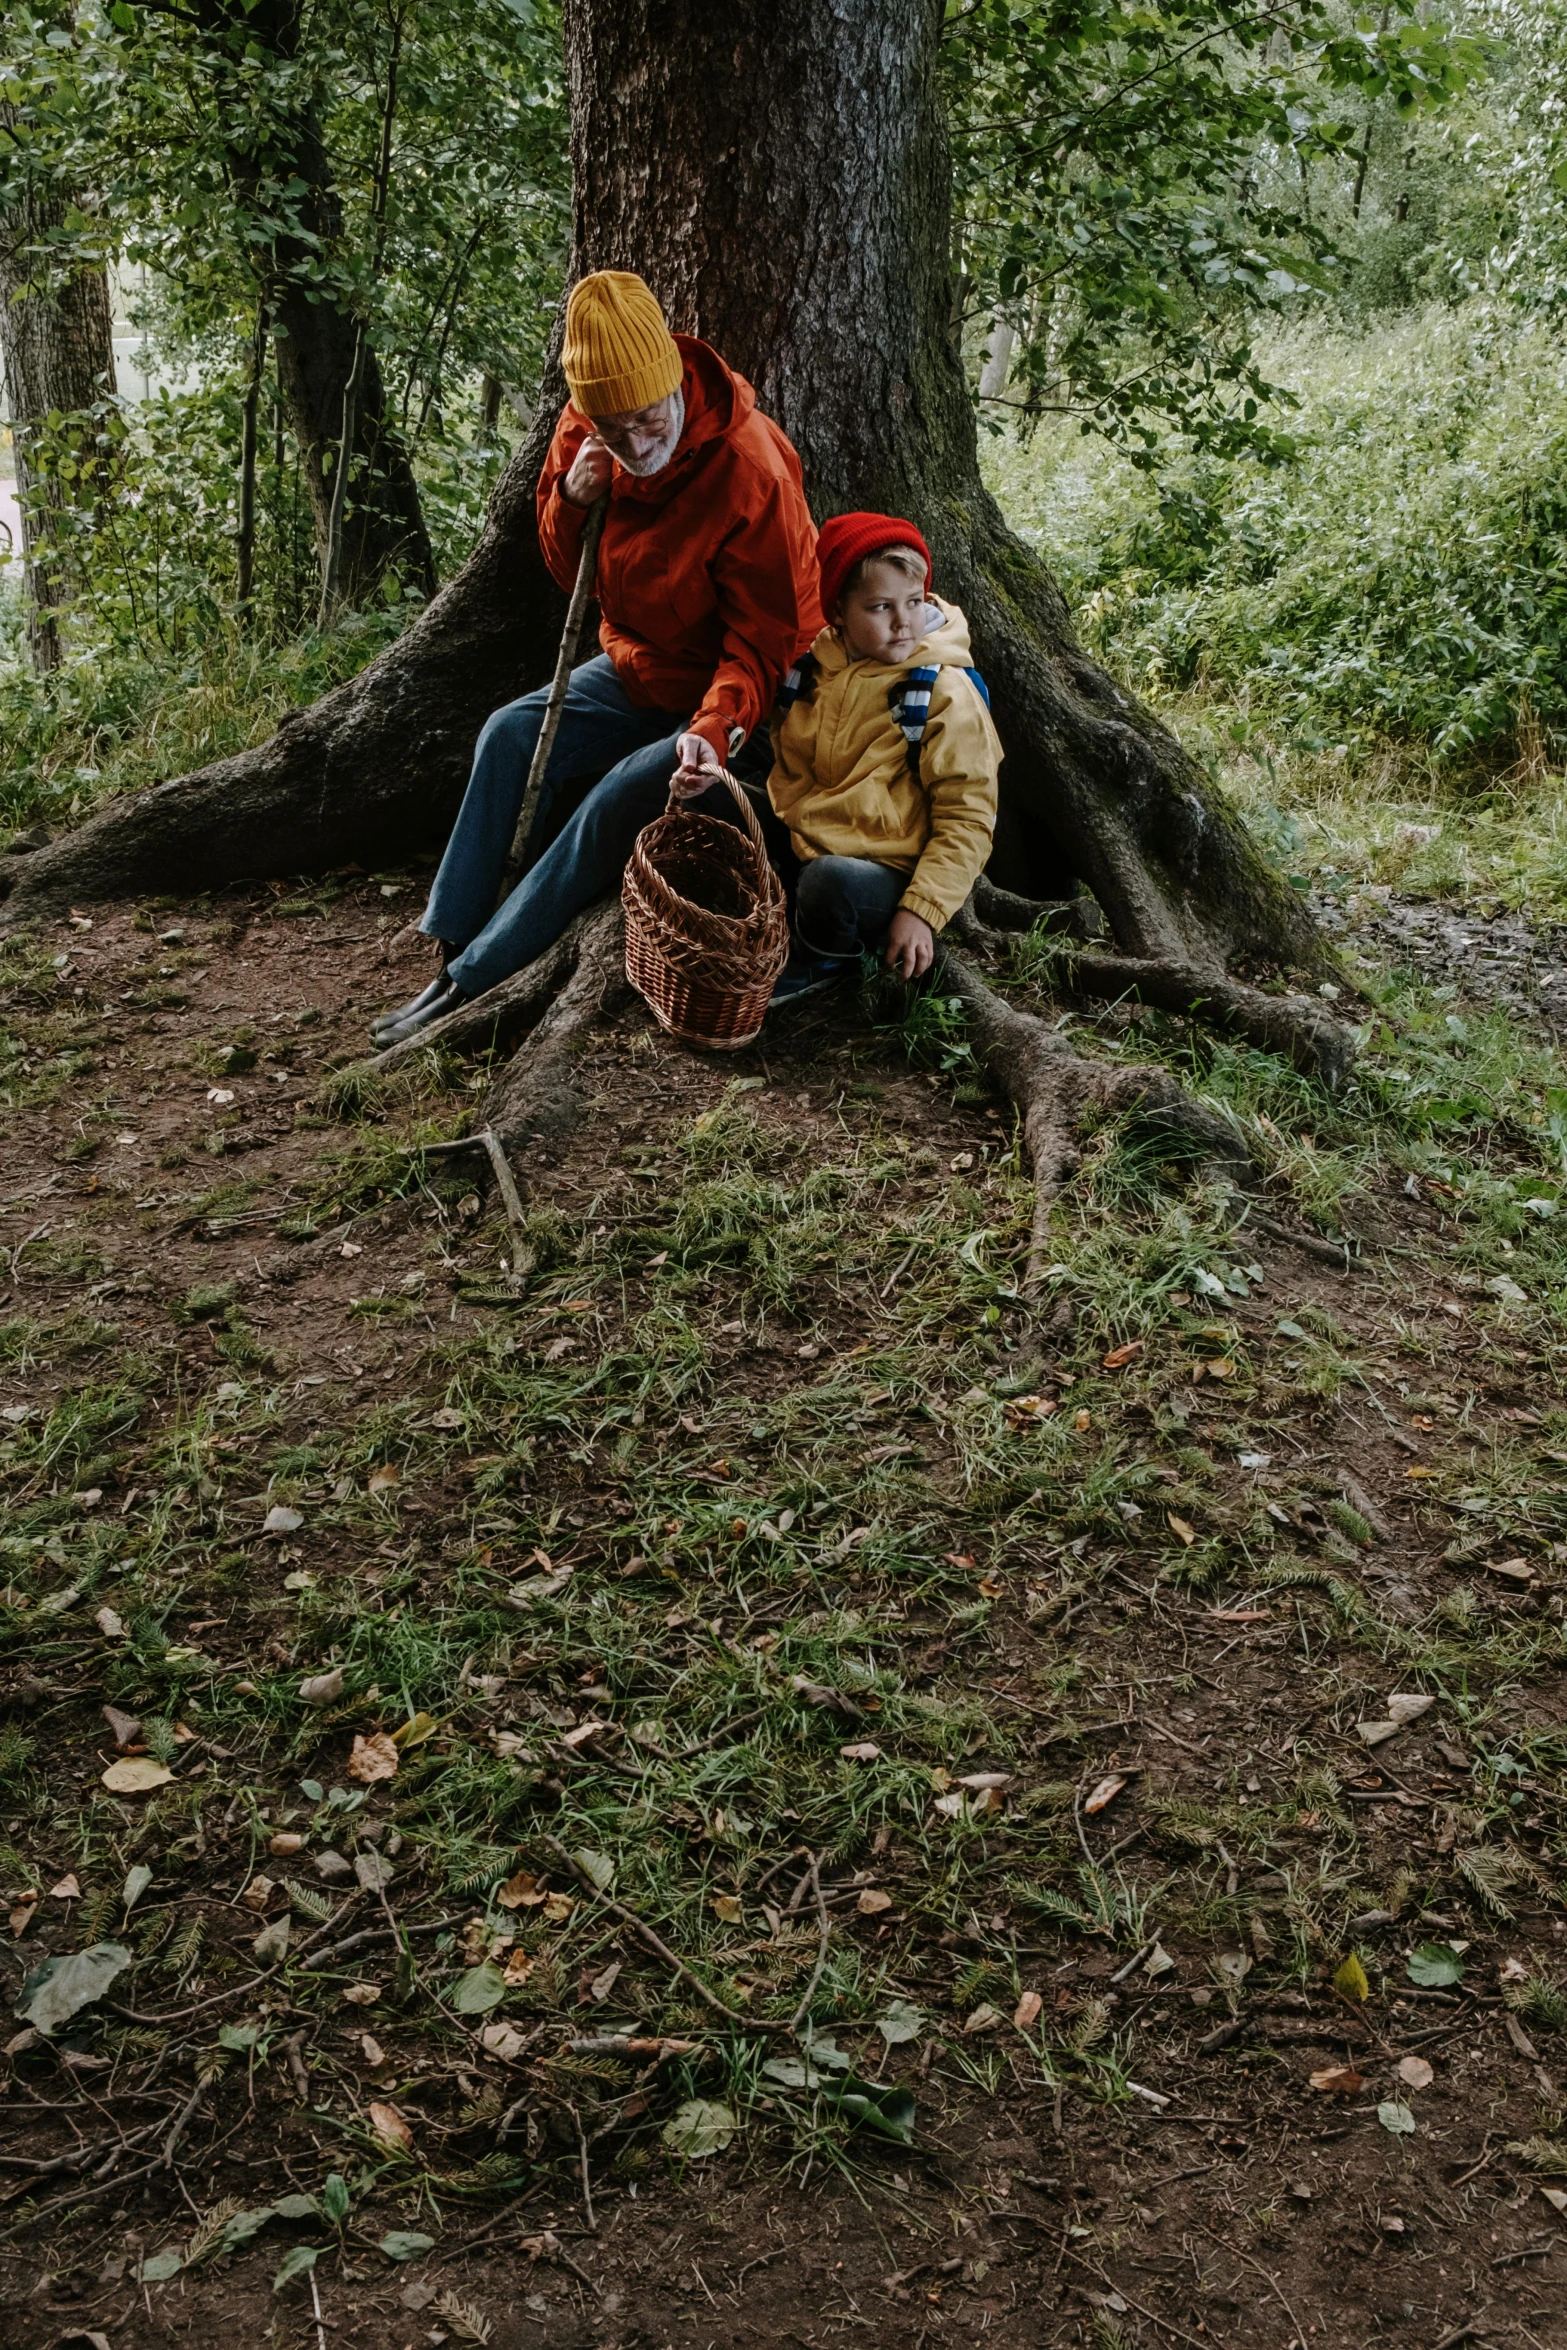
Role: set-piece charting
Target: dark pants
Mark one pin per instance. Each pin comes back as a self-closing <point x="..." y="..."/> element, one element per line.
<point x="842" y="904"/>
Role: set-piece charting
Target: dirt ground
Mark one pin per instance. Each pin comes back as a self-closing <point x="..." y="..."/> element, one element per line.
<point x="1049" y="1630"/>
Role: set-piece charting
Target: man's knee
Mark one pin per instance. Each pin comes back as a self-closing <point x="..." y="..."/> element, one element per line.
<point x="513" y="730"/>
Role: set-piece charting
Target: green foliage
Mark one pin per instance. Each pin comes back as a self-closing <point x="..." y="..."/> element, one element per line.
<point x="1404" y="579"/>
<point x="1135" y="189"/>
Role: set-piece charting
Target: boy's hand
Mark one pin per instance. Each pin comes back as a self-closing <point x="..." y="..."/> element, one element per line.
<point x="589" y="477"/>
<point x="700" y="767"/>
<point x="911" y="945"/>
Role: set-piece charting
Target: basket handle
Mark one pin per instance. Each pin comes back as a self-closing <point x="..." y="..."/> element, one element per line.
<point x="743" y="801"/>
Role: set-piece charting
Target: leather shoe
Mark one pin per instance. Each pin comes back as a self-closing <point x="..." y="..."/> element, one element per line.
<point x="439" y="998"/>
<point x="426" y="995"/>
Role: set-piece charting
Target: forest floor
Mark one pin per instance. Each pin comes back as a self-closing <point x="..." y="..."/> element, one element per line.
<point x="1130" y="1720"/>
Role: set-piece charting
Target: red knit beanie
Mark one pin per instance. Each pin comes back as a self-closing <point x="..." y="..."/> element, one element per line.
<point x="848" y="538"/>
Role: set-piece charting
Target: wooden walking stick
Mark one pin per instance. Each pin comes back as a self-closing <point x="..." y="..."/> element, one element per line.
<point x="581" y="597"/>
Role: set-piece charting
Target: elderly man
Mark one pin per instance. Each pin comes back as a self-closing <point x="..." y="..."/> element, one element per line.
<point x="707" y="583"/>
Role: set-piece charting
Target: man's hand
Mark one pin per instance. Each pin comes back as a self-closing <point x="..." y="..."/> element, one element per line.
<point x="911" y="945"/>
<point x="591" y="471"/>
<point x="700" y="768"/>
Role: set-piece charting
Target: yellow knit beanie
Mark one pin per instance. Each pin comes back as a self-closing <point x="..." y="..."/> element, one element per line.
<point x="618" y="355"/>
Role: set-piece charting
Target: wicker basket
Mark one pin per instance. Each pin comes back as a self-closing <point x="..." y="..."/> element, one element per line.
<point x="707" y="930"/>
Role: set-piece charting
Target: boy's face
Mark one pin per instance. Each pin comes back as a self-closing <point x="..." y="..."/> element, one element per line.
<point x="883" y="617"/>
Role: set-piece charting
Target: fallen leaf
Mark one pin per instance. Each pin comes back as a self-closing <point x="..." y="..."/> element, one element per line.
<point x="374" y="1871"/>
<point x="257" y="1893"/>
<point x="61" y="1987"/>
<point x="521" y="1892"/>
<point x="136" y="1883"/>
<point x="322" y="1688"/>
<point x="126" y="1728"/>
<point x="983" y="2019"/>
<point x="362" y="1994"/>
<point x="1512" y="1970"/>
<point x="1105" y="1793"/>
<point x="865" y="1751"/>
<point x="980" y="1781"/>
<point x="1239" y="1615"/>
<point x="384" y="1479"/>
<point x="1409" y="1705"/>
<point x="872" y="1903"/>
<point x="503" y="2040"/>
<point x="699" y="2128"/>
<point x="1396" y="2117"/>
<point x="414" y="1732"/>
<point x="1339" y="2080"/>
<point x="109" y="1624"/>
<point x="282" y="1521"/>
<point x="902" y="2021"/>
<point x="1377" y="1733"/>
<point x="1082" y="1422"/>
<point x="597" y="1867"/>
<point x="604" y="1981"/>
<point x="1556" y="2197"/>
<point x="1350" y="1980"/>
<point x="1512" y="1570"/>
<point x="727" y="1907"/>
<point x="519" y="1966"/>
<point x="284" y="1845"/>
<point x="1180" y="1526"/>
<point x="271" y="1944"/>
<point x="138" y="1777"/>
<point x="391" y="2129"/>
<point x="480" y="1989"/>
<point x="67" y="1890"/>
<point x="1020" y="1411"/>
<point x="372" y="2050"/>
<point x="558" y="1908"/>
<point x="373" y="1759"/>
<point x="1027" y="2011"/>
<point x="1119" y="1356"/>
<point x="1435" y="1965"/>
<point x="1415" y="2073"/>
<point x="21" y="1918"/>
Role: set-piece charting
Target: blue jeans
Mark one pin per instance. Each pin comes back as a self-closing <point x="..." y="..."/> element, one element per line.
<point x="842" y="904"/>
<point x="632" y="751"/>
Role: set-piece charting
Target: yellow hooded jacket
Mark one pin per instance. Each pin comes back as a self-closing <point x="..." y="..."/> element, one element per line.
<point x="843" y="784"/>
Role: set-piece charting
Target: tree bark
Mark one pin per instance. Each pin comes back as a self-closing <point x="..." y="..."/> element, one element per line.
<point x="783" y="184"/>
<point x="57" y="343"/>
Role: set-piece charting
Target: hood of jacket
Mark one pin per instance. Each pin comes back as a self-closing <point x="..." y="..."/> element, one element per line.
<point x="945" y="645"/>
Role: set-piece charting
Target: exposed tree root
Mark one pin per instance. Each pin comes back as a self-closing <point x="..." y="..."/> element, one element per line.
<point x="1298" y="1027"/>
<point x="491" y="1022"/>
<point x="1003" y="909"/>
<point x="1056" y="1091"/>
<point x="533" y="1098"/>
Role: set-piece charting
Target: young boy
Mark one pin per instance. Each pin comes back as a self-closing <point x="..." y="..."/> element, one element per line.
<point x="890" y="803"/>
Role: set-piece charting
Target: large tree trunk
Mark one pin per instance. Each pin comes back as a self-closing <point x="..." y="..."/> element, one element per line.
<point x="56" y="341"/>
<point x="782" y="181"/>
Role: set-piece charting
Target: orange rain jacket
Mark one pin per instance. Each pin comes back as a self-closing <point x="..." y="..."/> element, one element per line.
<point x="707" y="574"/>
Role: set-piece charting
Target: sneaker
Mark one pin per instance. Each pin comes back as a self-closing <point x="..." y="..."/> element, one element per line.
<point x="804" y="974"/>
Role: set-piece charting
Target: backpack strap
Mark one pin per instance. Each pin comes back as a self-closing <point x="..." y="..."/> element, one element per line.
<point x="800" y="683"/>
<point x="910" y="702"/>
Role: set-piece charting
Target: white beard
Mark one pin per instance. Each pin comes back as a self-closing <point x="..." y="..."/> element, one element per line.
<point x="641" y="468"/>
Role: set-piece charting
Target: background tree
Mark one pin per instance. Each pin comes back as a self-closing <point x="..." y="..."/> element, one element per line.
<point x="57" y="348"/>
